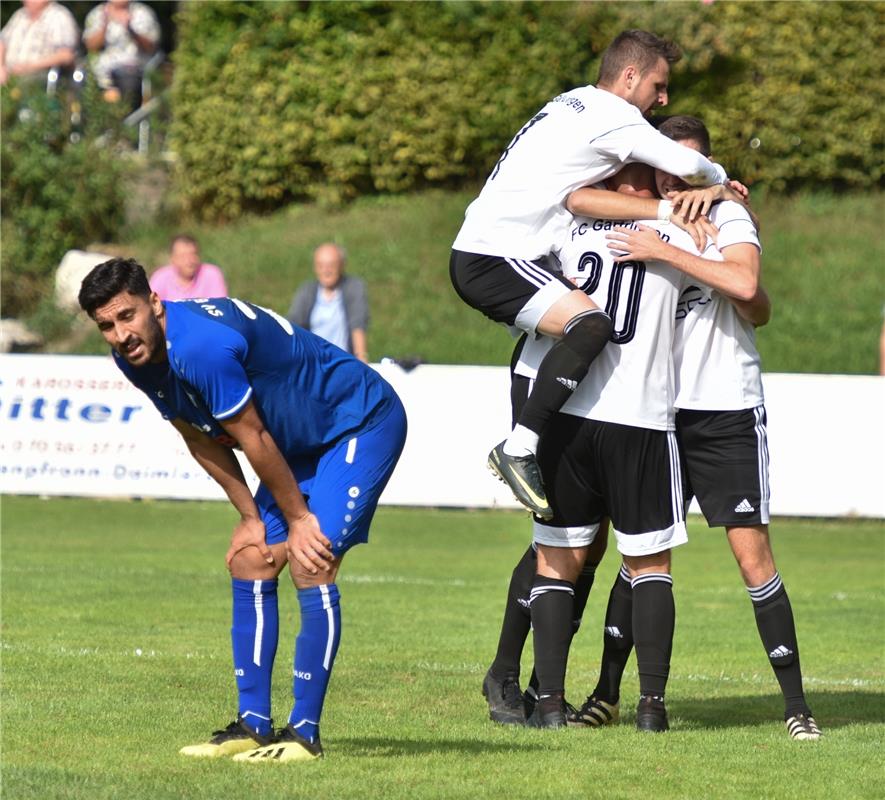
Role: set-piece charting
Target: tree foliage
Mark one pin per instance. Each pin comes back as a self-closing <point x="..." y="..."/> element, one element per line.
<point x="326" y="101"/>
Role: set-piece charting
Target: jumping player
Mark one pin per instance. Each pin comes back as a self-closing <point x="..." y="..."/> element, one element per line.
<point x="502" y="261"/>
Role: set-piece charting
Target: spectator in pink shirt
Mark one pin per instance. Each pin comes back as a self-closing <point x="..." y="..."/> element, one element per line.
<point x="186" y="276"/>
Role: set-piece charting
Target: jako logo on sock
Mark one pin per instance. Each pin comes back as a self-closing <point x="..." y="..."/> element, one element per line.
<point x="305" y="676"/>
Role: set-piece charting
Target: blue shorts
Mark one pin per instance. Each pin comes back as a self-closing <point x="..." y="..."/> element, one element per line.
<point x="342" y="484"/>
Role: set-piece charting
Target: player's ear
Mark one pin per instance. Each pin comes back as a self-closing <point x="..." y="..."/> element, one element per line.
<point x="630" y="74"/>
<point x="156" y="304"/>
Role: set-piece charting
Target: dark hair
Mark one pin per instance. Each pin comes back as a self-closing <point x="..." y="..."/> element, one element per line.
<point x="639" y="48"/>
<point x="681" y="127"/>
<point x="183" y="237"/>
<point x="106" y="280"/>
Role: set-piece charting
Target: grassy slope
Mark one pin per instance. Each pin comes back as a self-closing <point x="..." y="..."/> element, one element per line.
<point x="86" y="584"/>
<point x="824" y="268"/>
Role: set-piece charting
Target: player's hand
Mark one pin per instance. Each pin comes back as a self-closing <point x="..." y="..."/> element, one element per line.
<point x="307" y="545"/>
<point x="742" y="192"/>
<point x="627" y="244"/>
<point x="709" y="229"/>
<point x="694" y="229"/>
<point x="248" y="533"/>
<point x="690" y="204"/>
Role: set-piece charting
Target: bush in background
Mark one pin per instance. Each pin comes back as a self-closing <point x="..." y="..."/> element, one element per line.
<point x="57" y="194"/>
<point x="327" y="101"/>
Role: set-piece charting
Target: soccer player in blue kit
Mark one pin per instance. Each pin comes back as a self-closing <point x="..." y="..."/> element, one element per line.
<point x="322" y="431"/>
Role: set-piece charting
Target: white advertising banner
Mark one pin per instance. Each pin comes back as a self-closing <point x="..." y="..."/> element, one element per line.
<point x="72" y="425"/>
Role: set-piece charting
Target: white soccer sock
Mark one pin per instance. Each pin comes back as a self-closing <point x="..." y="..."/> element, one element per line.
<point x="521" y="442"/>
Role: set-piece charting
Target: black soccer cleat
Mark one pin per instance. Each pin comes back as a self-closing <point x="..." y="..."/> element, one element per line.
<point x="288" y="746"/>
<point x="651" y="715"/>
<point x="550" y="712"/>
<point x="802" y="727"/>
<point x="522" y="475"/>
<point x="595" y="713"/>
<point x="505" y="700"/>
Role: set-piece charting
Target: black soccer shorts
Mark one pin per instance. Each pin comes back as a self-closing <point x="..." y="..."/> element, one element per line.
<point x="725" y="454"/>
<point x="592" y="469"/>
<point x="509" y="290"/>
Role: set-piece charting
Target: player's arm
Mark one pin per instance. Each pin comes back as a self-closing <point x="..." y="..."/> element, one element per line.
<point x="607" y="204"/>
<point x="737" y="276"/>
<point x="756" y="311"/>
<point x="222" y="465"/>
<point x="306" y="543"/>
<point x="652" y="147"/>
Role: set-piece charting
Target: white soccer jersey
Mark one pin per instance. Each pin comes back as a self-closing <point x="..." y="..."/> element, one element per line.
<point x="579" y="138"/>
<point x="717" y="364"/>
<point x="631" y="381"/>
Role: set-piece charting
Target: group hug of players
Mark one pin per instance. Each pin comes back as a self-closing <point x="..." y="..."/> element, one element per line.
<point x="636" y="383"/>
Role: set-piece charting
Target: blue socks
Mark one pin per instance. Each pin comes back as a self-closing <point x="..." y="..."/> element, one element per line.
<point x="315" y="650"/>
<point x="254" y="633"/>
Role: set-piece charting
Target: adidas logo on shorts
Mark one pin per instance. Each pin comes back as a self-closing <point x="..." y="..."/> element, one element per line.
<point x="614" y="631"/>
<point x="744" y="507"/>
<point x="569" y="384"/>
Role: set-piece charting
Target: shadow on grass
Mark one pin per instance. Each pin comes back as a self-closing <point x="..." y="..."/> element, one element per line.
<point x="830" y="709"/>
<point x="376" y="746"/>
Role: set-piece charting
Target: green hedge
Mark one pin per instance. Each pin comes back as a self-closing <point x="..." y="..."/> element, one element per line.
<point x="275" y="101"/>
<point x="326" y="101"/>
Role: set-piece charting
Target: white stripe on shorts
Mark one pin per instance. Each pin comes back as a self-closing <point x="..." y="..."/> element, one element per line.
<point x="762" y="457"/>
<point x="351" y="451"/>
<point x="675" y="478"/>
<point x="530" y="272"/>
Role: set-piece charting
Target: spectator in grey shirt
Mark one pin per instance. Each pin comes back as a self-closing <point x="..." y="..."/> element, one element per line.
<point x="334" y="306"/>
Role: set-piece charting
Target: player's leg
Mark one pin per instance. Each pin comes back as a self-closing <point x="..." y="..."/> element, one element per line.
<point x="654" y="621"/>
<point x="584" y="330"/>
<point x="727" y="459"/>
<point x="602" y="706"/>
<point x="254" y="635"/>
<point x="644" y="495"/>
<point x="567" y="457"/>
<point x="343" y="493"/>
<point x="583" y="585"/>
<point x="500" y="686"/>
<point x="532" y="297"/>
<point x="552" y="609"/>
<point x="774" y="619"/>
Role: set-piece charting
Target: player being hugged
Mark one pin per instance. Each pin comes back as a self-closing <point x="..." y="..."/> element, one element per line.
<point x="323" y="433"/>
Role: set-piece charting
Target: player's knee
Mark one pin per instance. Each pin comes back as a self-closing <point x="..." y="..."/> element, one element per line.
<point x="249" y="564"/>
<point x="589" y="328"/>
<point x="305" y="580"/>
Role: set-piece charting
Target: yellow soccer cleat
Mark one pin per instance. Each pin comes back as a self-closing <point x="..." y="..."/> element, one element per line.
<point x="237" y="737"/>
<point x="289" y="746"/>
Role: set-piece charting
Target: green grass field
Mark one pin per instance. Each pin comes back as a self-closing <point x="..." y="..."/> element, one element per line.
<point x="823" y="265"/>
<point x="116" y="653"/>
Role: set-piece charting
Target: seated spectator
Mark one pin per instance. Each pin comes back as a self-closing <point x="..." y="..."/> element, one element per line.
<point x="125" y="35"/>
<point x="39" y="36"/>
<point x="335" y="305"/>
<point x="186" y="276"/>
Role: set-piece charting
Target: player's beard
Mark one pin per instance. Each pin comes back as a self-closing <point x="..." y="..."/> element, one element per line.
<point x="147" y="349"/>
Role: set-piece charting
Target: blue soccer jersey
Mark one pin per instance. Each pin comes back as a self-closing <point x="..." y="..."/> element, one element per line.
<point x="225" y="352"/>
